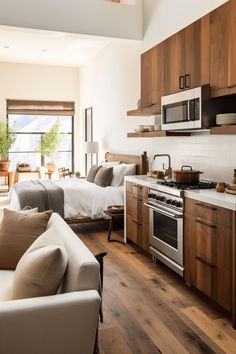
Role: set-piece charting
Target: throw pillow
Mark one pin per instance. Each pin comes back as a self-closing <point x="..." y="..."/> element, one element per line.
<point x="92" y="173"/>
<point x="39" y="272"/>
<point x="104" y="176"/>
<point x="18" y="231"/>
<point x="120" y="171"/>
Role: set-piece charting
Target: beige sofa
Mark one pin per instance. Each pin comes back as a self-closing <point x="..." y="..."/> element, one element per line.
<point x="60" y="324"/>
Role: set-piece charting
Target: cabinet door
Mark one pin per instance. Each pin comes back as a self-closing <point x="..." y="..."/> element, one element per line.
<point x="219" y="46"/>
<point x="143" y="236"/>
<point x="197" y="53"/>
<point x="131" y="229"/>
<point x="232" y="45"/>
<point x="146" y="78"/>
<point x="174" y="66"/>
<point x="193" y="55"/>
<point x="152" y="76"/>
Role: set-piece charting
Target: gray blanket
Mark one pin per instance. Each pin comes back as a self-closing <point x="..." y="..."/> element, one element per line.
<point x="44" y="195"/>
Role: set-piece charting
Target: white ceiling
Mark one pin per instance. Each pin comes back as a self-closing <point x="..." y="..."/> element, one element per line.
<point x="23" y="45"/>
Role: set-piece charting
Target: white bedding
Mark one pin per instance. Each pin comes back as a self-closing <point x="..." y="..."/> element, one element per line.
<point x="82" y="199"/>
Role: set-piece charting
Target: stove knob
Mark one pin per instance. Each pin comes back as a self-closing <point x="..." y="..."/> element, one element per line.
<point x="173" y="202"/>
<point x="151" y="195"/>
<point x="162" y="198"/>
<point x="168" y="201"/>
<point x="157" y="197"/>
<point x="179" y="204"/>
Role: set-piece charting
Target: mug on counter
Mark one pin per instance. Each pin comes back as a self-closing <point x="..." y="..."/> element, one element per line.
<point x="220" y="187"/>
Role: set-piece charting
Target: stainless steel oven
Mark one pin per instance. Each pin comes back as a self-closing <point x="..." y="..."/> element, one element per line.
<point x="188" y="109"/>
<point x="166" y="229"/>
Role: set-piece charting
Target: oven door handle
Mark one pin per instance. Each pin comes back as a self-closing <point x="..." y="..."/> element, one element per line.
<point x="164" y="212"/>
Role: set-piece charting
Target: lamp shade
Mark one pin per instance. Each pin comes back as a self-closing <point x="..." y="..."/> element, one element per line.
<point x="91" y="147"/>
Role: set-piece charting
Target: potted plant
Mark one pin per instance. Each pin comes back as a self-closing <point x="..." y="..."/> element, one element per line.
<point x="48" y="145"/>
<point x="7" y="139"/>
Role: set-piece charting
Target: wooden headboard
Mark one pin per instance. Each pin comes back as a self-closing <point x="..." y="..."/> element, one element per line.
<point x="141" y="161"/>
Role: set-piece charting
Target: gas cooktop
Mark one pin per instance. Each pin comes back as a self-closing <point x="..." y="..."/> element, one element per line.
<point x="200" y="185"/>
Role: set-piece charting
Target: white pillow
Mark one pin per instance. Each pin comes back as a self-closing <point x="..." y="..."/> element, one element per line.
<point x="121" y="170"/>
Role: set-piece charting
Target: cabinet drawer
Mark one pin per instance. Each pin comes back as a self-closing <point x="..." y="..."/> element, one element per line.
<point x="136" y="208"/>
<point x="143" y="236"/>
<point x="137" y="190"/>
<point x="211" y="241"/>
<point x="201" y="274"/>
<point x="209" y="212"/>
<point x="213" y="281"/>
<point x="131" y="229"/>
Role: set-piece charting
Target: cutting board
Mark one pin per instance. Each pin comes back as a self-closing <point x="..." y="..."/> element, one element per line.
<point x="230" y="191"/>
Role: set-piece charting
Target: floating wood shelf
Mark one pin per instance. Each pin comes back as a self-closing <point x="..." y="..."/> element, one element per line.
<point x="155" y="133"/>
<point x="224" y="129"/>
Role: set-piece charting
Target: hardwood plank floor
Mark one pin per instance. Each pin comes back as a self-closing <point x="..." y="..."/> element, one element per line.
<point x="148" y="309"/>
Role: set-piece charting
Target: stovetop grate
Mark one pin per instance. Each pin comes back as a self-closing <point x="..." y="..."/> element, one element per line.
<point x="200" y="185"/>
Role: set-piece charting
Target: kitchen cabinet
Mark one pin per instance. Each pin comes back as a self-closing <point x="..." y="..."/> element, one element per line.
<point x="223" y="49"/>
<point x="152" y="78"/>
<point x="208" y="235"/>
<point x="187" y="57"/>
<point x="137" y="215"/>
<point x="174" y="67"/>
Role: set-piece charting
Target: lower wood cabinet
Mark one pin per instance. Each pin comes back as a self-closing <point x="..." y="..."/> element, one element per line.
<point x="208" y="235"/>
<point x="137" y="215"/>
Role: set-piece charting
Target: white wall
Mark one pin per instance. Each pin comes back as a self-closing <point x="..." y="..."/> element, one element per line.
<point x="39" y="82"/>
<point x="111" y="84"/>
<point x="93" y="17"/>
<point x="162" y="18"/>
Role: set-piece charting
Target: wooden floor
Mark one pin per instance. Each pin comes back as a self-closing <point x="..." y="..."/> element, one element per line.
<point x="148" y="309"/>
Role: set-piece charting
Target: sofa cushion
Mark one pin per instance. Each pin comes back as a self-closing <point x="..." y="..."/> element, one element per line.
<point x="82" y="271"/>
<point x="18" y="231"/>
<point x="6" y="280"/>
<point x="104" y="176"/>
<point x="41" y="269"/>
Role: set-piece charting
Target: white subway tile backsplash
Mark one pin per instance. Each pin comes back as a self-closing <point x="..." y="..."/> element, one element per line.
<point x="214" y="155"/>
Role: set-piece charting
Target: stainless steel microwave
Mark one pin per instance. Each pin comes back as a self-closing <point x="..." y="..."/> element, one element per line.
<point x="187" y="110"/>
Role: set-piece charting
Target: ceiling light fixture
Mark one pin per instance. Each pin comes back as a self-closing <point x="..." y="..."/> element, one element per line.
<point x="6" y="47"/>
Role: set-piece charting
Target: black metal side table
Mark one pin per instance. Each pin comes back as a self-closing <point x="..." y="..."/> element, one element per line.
<point x="113" y="218"/>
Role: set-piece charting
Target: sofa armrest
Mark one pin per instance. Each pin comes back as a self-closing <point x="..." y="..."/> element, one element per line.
<point x="58" y="324"/>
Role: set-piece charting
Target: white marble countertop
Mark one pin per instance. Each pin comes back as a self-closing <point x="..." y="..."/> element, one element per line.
<point x="210" y="196"/>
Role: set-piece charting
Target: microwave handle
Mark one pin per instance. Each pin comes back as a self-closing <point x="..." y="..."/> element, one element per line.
<point x="191" y="110"/>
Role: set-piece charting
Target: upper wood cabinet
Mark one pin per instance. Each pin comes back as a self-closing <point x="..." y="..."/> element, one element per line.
<point x="174" y="63"/>
<point x="152" y="78"/>
<point x="223" y="49"/>
<point x="187" y="57"/>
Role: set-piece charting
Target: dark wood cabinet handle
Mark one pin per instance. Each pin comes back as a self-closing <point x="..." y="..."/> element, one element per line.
<point x="137" y="186"/>
<point x="231" y="86"/>
<point x="181" y="82"/>
<point x="186" y="80"/>
<point x="212" y="226"/>
<point x="137" y="222"/>
<point x="206" y="206"/>
<point x="139" y="199"/>
<point x="202" y="260"/>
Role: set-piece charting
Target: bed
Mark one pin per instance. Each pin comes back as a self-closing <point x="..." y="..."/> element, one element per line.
<point x="85" y="201"/>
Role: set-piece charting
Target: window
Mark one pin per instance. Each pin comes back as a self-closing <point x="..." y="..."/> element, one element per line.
<point x="29" y="129"/>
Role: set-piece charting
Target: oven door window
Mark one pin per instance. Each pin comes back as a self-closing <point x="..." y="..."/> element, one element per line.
<point x="175" y="113"/>
<point x="165" y="229"/>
